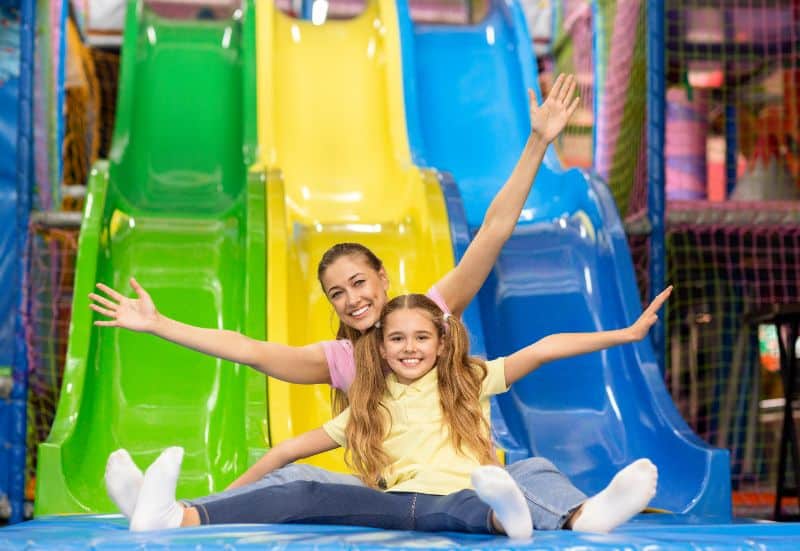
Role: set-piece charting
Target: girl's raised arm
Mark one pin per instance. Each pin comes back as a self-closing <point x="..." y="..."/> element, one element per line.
<point x="307" y="444"/>
<point x="294" y="364"/>
<point x="462" y="283"/>
<point x="566" y="345"/>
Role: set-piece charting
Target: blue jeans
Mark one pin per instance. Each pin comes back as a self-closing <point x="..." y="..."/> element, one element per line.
<point x="550" y="495"/>
<point x="304" y="502"/>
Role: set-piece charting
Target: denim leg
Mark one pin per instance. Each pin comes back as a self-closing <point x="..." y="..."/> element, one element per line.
<point x="458" y="512"/>
<point x="305" y="502"/>
<point x="550" y="495"/>
<point x="290" y="473"/>
<point x="342" y="504"/>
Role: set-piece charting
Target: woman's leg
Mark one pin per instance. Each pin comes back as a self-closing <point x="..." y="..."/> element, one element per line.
<point x="290" y="473"/>
<point x="555" y="503"/>
<point x="626" y="495"/>
<point x="550" y="495"/>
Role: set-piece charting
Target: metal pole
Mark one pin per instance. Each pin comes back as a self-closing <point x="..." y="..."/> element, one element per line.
<point x="655" y="163"/>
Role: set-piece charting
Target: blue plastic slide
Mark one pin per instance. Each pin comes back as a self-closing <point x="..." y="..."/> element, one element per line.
<point x="566" y="268"/>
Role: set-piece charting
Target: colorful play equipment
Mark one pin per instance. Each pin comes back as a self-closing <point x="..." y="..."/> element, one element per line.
<point x="569" y="258"/>
<point x="16" y="189"/>
<point x="175" y="207"/>
<point x="246" y="145"/>
<point x="332" y="140"/>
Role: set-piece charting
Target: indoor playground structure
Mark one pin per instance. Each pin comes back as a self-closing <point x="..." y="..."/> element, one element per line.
<point x="251" y="135"/>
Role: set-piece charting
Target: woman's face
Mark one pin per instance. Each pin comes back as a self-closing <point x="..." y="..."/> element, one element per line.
<point x="356" y="291"/>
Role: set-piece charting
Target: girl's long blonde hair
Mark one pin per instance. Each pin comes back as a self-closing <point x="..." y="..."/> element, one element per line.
<point x="459" y="380"/>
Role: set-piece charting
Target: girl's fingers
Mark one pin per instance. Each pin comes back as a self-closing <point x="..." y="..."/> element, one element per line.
<point x="106" y="323"/>
<point x="660" y="299"/>
<point x="104" y="311"/>
<point x="110" y="292"/>
<point x="104" y="301"/>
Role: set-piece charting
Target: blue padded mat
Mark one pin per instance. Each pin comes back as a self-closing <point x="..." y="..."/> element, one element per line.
<point x="645" y="533"/>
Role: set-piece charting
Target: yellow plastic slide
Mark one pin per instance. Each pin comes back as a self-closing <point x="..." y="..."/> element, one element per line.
<point x="332" y="137"/>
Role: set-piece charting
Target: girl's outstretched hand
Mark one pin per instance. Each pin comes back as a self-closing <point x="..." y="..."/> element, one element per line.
<point x="550" y="118"/>
<point x="642" y="326"/>
<point x="137" y="314"/>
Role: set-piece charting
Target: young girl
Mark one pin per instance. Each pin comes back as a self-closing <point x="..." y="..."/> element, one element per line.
<point x="356" y="284"/>
<point x="420" y="431"/>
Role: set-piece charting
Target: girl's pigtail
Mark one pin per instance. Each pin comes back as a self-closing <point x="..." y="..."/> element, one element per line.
<point x="460" y="381"/>
<point x="369" y="421"/>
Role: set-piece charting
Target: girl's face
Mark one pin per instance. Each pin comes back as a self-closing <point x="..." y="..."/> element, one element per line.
<point x="356" y="291"/>
<point x="411" y="344"/>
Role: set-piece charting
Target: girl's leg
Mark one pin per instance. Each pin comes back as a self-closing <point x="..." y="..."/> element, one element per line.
<point x="306" y="503"/>
<point x="290" y="473"/>
<point x="123" y="481"/>
<point x="318" y="503"/>
<point x="156" y="507"/>
<point x="496" y="488"/>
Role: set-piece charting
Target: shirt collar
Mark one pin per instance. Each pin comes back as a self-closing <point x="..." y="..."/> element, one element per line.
<point x="397" y="389"/>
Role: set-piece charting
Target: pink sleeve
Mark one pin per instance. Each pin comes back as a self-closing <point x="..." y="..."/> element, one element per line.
<point x="434" y="294"/>
<point x="341" y="363"/>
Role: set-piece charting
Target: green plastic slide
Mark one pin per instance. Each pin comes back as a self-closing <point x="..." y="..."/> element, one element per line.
<point x="176" y="208"/>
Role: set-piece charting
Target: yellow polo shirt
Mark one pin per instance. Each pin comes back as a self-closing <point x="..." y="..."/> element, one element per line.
<point x="418" y="444"/>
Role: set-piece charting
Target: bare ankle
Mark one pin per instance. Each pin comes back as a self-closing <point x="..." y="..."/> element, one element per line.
<point x="496" y="525"/>
<point x="573" y="516"/>
<point x="190" y="517"/>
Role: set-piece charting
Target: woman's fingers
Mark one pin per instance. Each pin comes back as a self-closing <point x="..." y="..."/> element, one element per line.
<point x="104" y="311"/>
<point x="573" y="85"/>
<point x="567" y="89"/>
<point x="555" y="91"/>
<point x="576" y="101"/>
<point x="138" y="288"/>
<point x="110" y="292"/>
<point x="104" y="301"/>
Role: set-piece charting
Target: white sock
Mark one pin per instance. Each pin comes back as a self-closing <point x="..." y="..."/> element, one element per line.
<point x="123" y="481"/>
<point x="627" y="495"/>
<point x="498" y="490"/>
<point x="157" y="508"/>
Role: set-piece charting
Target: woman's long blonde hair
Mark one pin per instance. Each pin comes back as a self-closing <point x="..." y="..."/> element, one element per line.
<point x="339" y="399"/>
<point x="459" y="376"/>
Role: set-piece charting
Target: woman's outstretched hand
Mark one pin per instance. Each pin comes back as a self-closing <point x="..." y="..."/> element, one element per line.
<point x="642" y="326"/>
<point x="137" y="314"/>
<point x="550" y="118"/>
